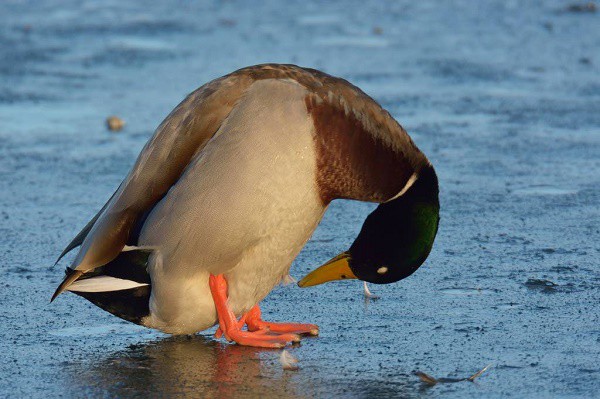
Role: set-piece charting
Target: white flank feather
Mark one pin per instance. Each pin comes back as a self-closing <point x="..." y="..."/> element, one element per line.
<point x="103" y="284"/>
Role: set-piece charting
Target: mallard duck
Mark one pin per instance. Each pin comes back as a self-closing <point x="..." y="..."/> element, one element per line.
<point x="229" y="189"/>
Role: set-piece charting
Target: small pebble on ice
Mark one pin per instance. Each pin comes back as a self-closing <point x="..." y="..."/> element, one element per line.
<point x="114" y="123"/>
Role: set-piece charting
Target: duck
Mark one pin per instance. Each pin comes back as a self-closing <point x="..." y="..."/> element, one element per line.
<point x="230" y="188"/>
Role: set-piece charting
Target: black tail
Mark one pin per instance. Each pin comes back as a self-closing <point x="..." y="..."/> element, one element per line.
<point x="129" y="304"/>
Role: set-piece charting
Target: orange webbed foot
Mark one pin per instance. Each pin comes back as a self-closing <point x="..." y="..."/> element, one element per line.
<point x="232" y="328"/>
<point x="256" y="323"/>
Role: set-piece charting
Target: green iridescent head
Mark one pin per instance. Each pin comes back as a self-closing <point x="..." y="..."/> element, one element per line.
<point x="394" y="241"/>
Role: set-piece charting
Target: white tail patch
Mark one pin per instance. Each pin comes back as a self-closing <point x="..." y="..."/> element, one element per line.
<point x="408" y="185"/>
<point x="103" y="284"/>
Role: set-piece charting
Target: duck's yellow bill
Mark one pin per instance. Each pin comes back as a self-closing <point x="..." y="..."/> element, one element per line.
<point x="337" y="268"/>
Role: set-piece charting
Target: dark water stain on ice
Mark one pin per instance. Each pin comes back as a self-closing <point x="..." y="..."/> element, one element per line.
<point x="541" y="285"/>
<point x="502" y="96"/>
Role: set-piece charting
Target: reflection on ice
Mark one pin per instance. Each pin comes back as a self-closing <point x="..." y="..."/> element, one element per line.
<point x="90" y="331"/>
<point x="545" y="190"/>
<point x="194" y="366"/>
<point x="352" y="41"/>
<point x="318" y="20"/>
<point x="463" y="291"/>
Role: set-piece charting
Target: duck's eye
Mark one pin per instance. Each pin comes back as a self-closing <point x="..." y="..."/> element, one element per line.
<point x="382" y="270"/>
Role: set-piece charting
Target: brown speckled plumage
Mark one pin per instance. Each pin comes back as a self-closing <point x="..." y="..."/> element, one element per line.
<point x="362" y="152"/>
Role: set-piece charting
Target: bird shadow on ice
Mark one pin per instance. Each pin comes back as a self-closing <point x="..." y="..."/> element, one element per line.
<point x="194" y="366"/>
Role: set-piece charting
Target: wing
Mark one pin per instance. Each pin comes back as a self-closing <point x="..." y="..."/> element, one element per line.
<point x="183" y="133"/>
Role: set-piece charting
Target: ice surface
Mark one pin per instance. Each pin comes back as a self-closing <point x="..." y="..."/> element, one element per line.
<point x="503" y="97"/>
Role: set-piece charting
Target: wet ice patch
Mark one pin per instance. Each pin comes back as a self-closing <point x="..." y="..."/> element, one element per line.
<point x="352" y="41"/>
<point x="541" y="284"/>
<point x="126" y="51"/>
<point x="460" y="70"/>
<point x="463" y="291"/>
<point x="545" y="190"/>
<point x="145" y="44"/>
<point x="311" y="20"/>
<point x="92" y="331"/>
<point x="508" y="306"/>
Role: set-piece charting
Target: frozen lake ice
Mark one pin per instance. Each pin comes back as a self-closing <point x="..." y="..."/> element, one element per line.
<point x="502" y="96"/>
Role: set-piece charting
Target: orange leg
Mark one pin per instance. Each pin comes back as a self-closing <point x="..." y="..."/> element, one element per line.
<point x="256" y="323"/>
<point x="240" y="323"/>
<point x="230" y="326"/>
